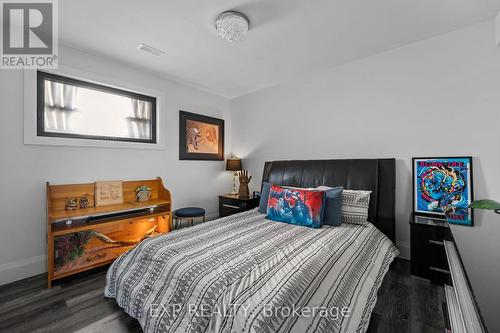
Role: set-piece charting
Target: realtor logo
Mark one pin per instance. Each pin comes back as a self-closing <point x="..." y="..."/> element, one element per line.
<point x="29" y="34"/>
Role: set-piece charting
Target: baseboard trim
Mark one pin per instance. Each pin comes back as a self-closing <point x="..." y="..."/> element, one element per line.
<point x="404" y="249"/>
<point x="21" y="269"/>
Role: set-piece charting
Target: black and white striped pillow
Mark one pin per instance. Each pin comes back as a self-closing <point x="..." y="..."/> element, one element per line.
<point x="355" y="204"/>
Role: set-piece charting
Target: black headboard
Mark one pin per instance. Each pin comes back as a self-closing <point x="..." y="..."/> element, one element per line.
<point x="377" y="175"/>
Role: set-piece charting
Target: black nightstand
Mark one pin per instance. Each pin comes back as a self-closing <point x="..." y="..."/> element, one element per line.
<point x="428" y="256"/>
<point x="230" y="204"/>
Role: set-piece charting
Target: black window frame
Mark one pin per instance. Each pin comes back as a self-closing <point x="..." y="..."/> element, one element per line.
<point x="42" y="76"/>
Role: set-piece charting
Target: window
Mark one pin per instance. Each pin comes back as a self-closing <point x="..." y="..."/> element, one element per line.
<point x="70" y="108"/>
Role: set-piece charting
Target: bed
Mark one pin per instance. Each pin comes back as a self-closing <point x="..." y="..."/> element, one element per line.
<point x="244" y="273"/>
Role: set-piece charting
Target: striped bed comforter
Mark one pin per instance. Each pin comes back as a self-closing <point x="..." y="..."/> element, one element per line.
<point x="244" y="273"/>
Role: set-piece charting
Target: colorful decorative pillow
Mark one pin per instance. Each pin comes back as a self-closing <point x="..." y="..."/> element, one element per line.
<point x="296" y="206"/>
<point x="333" y="205"/>
<point x="355" y="206"/>
<point x="264" y="197"/>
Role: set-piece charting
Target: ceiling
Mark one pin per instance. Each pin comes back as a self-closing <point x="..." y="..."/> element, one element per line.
<point x="286" y="37"/>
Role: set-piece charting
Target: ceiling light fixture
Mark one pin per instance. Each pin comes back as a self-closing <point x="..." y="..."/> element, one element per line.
<point x="232" y="26"/>
<point x="151" y="50"/>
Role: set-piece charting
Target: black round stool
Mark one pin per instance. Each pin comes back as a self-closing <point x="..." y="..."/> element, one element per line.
<point x="188" y="213"/>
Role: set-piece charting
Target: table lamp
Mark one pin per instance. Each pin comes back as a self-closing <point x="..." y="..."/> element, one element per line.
<point x="233" y="164"/>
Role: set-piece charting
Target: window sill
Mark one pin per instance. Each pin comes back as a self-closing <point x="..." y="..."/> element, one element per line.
<point x="48" y="141"/>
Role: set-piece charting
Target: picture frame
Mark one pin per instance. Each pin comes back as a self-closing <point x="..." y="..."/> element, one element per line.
<point x="108" y="193"/>
<point x="200" y="137"/>
<point x="454" y="193"/>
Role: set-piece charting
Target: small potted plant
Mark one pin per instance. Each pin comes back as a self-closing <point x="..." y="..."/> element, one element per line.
<point x="143" y="193"/>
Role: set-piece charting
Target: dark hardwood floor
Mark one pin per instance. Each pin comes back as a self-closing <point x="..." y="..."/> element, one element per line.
<point x="405" y="304"/>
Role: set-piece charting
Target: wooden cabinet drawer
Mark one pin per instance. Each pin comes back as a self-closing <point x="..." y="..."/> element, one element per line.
<point x="229" y="205"/>
<point x="226" y="210"/>
<point x="232" y="205"/>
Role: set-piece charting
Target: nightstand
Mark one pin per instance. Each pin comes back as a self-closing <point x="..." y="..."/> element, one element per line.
<point x="230" y="204"/>
<point x="428" y="256"/>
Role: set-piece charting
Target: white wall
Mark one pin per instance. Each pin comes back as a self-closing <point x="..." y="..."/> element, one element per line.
<point x="438" y="97"/>
<point x="26" y="168"/>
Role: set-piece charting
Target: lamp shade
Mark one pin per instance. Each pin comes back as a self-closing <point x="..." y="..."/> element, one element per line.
<point x="233" y="164"/>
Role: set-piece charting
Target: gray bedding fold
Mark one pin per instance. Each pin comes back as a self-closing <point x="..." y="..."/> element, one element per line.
<point x="244" y="273"/>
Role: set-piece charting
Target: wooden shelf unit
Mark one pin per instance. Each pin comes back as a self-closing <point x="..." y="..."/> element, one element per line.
<point x="96" y="236"/>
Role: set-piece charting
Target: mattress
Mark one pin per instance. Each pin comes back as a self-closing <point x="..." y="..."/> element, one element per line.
<point x="244" y="273"/>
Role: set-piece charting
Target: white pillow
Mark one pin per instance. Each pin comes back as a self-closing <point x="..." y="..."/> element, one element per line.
<point x="355" y="205"/>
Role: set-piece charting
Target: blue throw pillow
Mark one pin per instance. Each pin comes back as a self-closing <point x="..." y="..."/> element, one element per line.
<point x="333" y="204"/>
<point x="264" y="197"/>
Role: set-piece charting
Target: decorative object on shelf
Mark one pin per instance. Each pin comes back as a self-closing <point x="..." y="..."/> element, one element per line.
<point x="143" y="193"/>
<point x="108" y="193"/>
<point x="200" y="137"/>
<point x="232" y="26"/>
<point x="233" y="164"/>
<point x="443" y="184"/>
<point x="486" y="204"/>
<point x="243" y="191"/>
<point x="83" y="202"/>
<point x="71" y="203"/>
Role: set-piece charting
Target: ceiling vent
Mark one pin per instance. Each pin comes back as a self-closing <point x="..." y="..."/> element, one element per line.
<point x="151" y="50"/>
